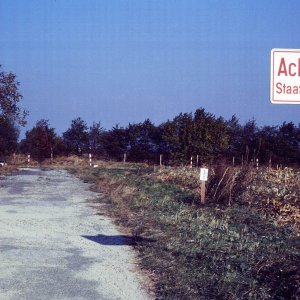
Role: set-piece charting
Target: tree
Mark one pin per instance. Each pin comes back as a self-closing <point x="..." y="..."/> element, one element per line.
<point x="288" y="146"/>
<point x="209" y="136"/>
<point x="10" y="98"/>
<point x="76" y="138"/>
<point x="40" y="141"/>
<point x="115" y="142"/>
<point x="8" y="136"/>
<point x="142" y="144"/>
<point x="11" y="115"/>
<point x="96" y="139"/>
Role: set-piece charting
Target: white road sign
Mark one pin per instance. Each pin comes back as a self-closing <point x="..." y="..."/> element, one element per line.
<point x="285" y="76"/>
<point x="203" y="174"/>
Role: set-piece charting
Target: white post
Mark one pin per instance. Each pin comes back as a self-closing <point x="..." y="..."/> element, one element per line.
<point x="90" y="158"/>
<point x="51" y="154"/>
<point x="124" y="158"/>
<point x="28" y="158"/>
<point x="197" y="161"/>
<point x="191" y="164"/>
<point x="257" y="164"/>
<point x="233" y="160"/>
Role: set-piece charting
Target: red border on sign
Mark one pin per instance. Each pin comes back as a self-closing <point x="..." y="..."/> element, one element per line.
<point x="281" y="101"/>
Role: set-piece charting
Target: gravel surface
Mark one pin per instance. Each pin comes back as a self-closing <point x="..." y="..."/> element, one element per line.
<point x="53" y="245"/>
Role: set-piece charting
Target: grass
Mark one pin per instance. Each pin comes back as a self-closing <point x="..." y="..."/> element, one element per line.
<point x="215" y="251"/>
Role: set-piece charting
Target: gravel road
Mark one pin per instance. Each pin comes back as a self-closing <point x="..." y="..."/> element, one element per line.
<point x="53" y="245"/>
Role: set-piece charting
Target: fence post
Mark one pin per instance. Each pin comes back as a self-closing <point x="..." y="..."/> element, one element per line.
<point x="203" y="178"/>
<point x="191" y="163"/>
<point x="160" y="160"/>
<point x="233" y="160"/>
<point x="124" y="158"/>
<point x="197" y="161"/>
<point x="90" y="159"/>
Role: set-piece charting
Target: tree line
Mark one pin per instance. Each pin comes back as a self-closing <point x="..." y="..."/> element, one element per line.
<point x="177" y="140"/>
<point x="187" y="135"/>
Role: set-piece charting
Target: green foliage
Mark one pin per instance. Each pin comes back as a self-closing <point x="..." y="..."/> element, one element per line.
<point x="11" y="115"/>
<point x="142" y="144"/>
<point x="96" y="139"/>
<point x="40" y="141"/>
<point x="8" y="136"/>
<point x="115" y="142"/>
<point x="76" y="138"/>
<point x="188" y="135"/>
<point x="10" y="98"/>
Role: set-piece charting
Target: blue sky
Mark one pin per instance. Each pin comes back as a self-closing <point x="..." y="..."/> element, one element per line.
<point x="121" y="61"/>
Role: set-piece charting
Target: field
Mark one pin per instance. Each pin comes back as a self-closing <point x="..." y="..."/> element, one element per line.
<point x="242" y="244"/>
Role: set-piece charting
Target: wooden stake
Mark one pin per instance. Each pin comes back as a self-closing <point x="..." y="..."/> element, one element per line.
<point x="202" y="191"/>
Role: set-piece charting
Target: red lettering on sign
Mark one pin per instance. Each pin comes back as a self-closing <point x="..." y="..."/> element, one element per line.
<point x="282" y="67"/>
<point x="290" y="69"/>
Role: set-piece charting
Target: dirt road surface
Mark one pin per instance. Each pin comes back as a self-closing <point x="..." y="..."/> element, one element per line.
<point x="53" y="245"/>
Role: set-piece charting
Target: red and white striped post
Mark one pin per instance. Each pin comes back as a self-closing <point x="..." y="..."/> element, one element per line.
<point x="90" y="159"/>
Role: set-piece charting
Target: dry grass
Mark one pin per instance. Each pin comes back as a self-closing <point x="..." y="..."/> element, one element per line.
<point x="212" y="252"/>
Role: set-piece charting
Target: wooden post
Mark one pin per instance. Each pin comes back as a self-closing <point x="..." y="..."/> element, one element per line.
<point x="202" y="191"/>
<point x="203" y="178"/>
<point x="197" y="161"/>
<point x="124" y="158"/>
<point x="160" y="160"/>
<point x="191" y="163"/>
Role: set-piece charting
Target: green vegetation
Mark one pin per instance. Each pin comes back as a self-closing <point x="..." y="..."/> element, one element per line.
<point x="11" y="115"/>
<point x="219" y="251"/>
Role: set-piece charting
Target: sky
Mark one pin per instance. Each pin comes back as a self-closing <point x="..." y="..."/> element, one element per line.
<point x="123" y="61"/>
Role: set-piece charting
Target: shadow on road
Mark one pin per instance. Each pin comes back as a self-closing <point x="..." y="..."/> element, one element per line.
<point x="117" y="240"/>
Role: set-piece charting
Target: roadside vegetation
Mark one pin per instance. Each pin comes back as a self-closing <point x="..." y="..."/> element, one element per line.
<point x="243" y="244"/>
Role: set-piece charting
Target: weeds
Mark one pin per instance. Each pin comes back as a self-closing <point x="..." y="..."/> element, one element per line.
<point x="212" y="252"/>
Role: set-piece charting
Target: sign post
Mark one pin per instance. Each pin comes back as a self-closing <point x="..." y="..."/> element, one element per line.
<point x="285" y="76"/>
<point x="203" y="178"/>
